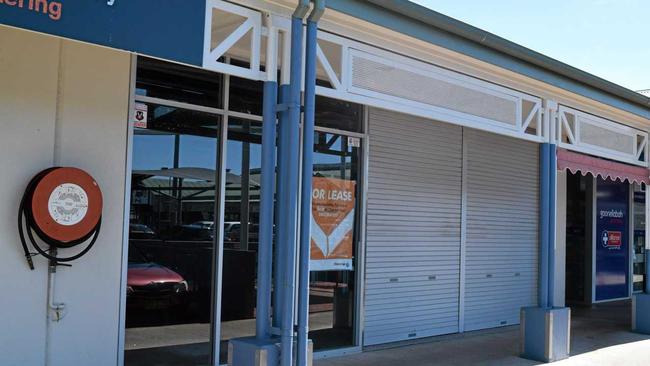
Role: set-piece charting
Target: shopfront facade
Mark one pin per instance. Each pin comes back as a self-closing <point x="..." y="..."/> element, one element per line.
<point x="428" y="196"/>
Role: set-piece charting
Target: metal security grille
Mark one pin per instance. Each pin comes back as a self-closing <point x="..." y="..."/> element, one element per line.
<point x="413" y="228"/>
<point x="502" y="229"/>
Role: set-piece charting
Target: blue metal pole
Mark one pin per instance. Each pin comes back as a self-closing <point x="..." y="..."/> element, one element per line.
<point x="265" y="246"/>
<point x="552" y="187"/>
<point x="647" y="261"/>
<point x="283" y="129"/>
<point x="291" y="191"/>
<point x="544" y="224"/>
<point x="307" y="172"/>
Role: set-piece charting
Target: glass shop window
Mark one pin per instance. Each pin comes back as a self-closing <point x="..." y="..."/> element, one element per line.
<point x="179" y="83"/>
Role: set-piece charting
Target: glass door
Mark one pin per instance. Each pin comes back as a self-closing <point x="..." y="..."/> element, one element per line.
<point x="335" y="234"/>
<point x="172" y="229"/>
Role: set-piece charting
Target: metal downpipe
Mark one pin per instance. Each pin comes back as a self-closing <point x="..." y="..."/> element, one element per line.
<point x="552" y="196"/>
<point x="280" y="216"/>
<point x="290" y="196"/>
<point x="265" y="250"/>
<point x="307" y="172"/>
<point x="544" y="224"/>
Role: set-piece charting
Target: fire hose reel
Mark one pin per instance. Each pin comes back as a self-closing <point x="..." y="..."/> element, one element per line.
<point x="63" y="207"/>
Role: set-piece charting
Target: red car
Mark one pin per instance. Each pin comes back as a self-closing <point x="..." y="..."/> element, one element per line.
<point x="151" y="285"/>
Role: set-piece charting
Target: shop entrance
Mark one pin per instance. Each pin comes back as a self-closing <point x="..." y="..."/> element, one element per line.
<point x="605" y="240"/>
<point x="195" y="194"/>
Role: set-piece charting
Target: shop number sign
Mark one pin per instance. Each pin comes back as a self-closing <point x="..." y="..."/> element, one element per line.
<point x="332" y="224"/>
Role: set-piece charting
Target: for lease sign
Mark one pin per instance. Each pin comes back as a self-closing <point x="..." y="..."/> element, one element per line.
<point x="332" y="224"/>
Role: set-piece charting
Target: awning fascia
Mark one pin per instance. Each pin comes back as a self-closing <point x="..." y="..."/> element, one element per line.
<point x="586" y="164"/>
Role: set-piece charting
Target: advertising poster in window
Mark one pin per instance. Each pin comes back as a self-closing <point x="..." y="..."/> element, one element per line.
<point x="612" y="251"/>
<point x="332" y="224"/>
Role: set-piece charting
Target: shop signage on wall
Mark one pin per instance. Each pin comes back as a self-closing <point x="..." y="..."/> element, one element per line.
<point x="52" y="9"/>
<point x="612" y="267"/>
<point x="168" y="29"/>
<point x="332" y="224"/>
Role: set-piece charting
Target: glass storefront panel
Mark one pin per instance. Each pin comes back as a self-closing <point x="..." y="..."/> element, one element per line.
<point x="241" y="231"/>
<point x="173" y="222"/>
<point x="171" y="238"/>
<point x="165" y="80"/>
<point x="338" y="114"/>
<point x="335" y="233"/>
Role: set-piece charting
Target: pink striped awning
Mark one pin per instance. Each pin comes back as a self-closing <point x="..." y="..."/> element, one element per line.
<point x="575" y="162"/>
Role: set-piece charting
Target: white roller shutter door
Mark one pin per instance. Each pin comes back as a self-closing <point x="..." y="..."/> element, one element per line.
<point x="413" y="228"/>
<point x="502" y="229"/>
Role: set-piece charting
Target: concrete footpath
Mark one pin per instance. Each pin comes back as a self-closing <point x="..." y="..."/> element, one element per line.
<point x="600" y="336"/>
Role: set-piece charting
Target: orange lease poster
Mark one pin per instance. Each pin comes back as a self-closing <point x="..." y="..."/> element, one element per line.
<point x="332" y="224"/>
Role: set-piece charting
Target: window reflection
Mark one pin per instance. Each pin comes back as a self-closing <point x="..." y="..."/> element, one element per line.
<point x="171" y="237"/>
<point x="332" y="281"/>
<point x="241" y="231"/>
<point x="179" y="83"/>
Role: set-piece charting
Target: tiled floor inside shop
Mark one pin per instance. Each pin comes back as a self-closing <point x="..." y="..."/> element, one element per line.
<point x="599" y="336"/>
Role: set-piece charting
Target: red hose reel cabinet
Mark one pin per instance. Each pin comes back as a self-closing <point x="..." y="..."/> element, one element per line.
<point x="63" y="206"/>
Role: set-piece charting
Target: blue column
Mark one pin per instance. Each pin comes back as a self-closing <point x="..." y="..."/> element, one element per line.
<point x="647" y="260"/>
<point x="552" y="198"/>
<point x="265" y="243"/>
<point x="289" y="224"/>
<point x="307" y="170"/>
<point x="544" y="224"/>
<point x="278" y="271"/>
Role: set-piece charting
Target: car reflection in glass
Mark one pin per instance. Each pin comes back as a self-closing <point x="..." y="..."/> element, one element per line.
<point x="153" y="286"/>
<point x="140" y="231"/>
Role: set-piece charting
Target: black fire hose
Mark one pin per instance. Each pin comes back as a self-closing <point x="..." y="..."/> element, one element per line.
<point x="26" y="223"/>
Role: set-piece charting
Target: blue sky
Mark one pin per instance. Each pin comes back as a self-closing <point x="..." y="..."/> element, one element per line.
<point x="608" y="38"/>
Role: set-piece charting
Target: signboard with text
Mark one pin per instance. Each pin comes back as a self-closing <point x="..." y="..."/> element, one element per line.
<point x="612" y="244"/>
<point x="168" y="29"/>
<point x="332" y="224"/>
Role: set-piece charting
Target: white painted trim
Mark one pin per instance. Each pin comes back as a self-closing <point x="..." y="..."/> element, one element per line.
<point x="252" y="23"/>
<point x="439" y="115"/>
<point x="336" y="131"/>
<point x="345" y="90"/>
<point x="325" y="63"/>
<point x="196" y="107"/>
<point x="230" y="41"/>
<point x="219" y="212"/>
<point x="372" y="34"/>
<point x="126" y="215"/>
<point x="575" y="143"/>
<point x="361" y="263"/>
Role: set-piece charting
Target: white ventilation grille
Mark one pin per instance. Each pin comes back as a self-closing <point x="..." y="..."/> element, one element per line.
<point x="602" y="137"/>
<point x="589" y="134"/>
<point x="433" y="87"/>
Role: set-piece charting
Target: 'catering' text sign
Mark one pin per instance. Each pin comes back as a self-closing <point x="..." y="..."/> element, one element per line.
<point x="168" y="29"/>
